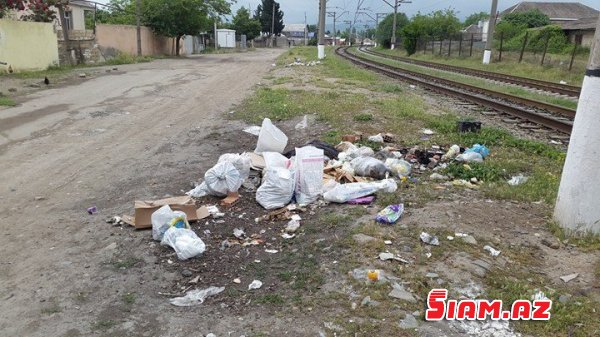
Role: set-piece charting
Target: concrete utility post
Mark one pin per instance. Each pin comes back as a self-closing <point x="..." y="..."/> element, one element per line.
<point x="138" y="11"/>
<point x="394" y="25"/>
<point x="577" y="206"/>
<point x="273" y="26"/>
<point x="322" y="15"/>
<point x="487" y="54"/>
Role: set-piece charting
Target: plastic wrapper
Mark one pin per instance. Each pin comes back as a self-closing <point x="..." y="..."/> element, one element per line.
<point x="369" y="167"/>
<point x="270" y="138"/>
<point x="196" y="296"/>
<point x="343" y="193"/>
<point x="452" y="153"/>
<point x="390" y="214"/>
<point x="478" y="148"/>
<point x="309" y="174"/>
<point x="400" y="168"/>
<point x="165" y="218"/>
<point x="184" y="241"/>
<point x="376" y="139"/>
<point x="470" y="157"/>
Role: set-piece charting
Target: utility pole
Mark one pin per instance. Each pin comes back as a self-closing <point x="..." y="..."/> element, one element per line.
<point x="394" y="25"/>
<point x="216" y="36"/>
<point x="577" y="202"/>
<point x="395" y="22"/>
<point x="273" y="26"/>
<point x="138" y="31"/>
<point x="335" y="18"/>
<point x="322" y="11"/>
<point x="487" y="54"/>
<point x="305" y="30"/>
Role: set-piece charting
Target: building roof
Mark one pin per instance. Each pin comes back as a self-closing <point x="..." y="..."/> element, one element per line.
<point x="472" y="29"/>
<point x="82" y="3"/>
<point x="582" y="24"/>
<point x="294" y="27"/>
<point x="557" y="11"/>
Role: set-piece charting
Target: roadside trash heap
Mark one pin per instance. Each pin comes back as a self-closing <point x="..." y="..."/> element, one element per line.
<point x="283" y="182"/>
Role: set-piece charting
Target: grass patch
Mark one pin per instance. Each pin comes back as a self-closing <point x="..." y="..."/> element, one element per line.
<point x="7" y="101"/>
<point x="586" y="241"/>
<point x="483" y="83"/>
<point x="481" y="171"/>
<point x="103" y="324"/>
<point x="363" y="117"/>
<point x="545" y="73"/>
<point x="124" y="58"/>
<point x="52" y="309"/>
<point x="126" y="263"/>
<point x="128" y="298"/>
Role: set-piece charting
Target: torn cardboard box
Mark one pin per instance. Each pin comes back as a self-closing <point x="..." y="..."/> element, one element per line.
<point x="144" y="209"/>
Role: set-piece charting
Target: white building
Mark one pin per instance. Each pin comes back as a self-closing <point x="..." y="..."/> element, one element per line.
<point x="226" y="38"/>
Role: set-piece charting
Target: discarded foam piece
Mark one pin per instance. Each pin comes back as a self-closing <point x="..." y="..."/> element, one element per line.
<point x="569" y="277"/>
<point x="196" y="296"/>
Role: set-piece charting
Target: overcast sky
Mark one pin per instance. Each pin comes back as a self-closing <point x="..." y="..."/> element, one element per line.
<point x="294" y="9"/>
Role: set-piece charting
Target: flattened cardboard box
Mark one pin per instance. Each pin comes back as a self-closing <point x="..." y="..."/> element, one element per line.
<point x="144" y="209"/>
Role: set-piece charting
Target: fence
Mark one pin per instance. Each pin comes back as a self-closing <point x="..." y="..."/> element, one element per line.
<point x="27" y="45"/>
<point x="542" y="50"/>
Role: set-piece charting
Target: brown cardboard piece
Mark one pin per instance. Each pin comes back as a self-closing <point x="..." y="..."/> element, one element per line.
<point x="202" y="213"/>
<point x="257" y="161"/>
<point x="144" y="209"/>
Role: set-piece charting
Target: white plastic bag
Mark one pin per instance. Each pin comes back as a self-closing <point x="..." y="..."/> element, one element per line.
<point x="369" y="167"/>
<point x="303" y="124"/>
<point x="277" y="188"/>
<point x="270" y="138"/>
<point x="400" y="168"/>
<point x="470" y="157"/>
<point x="164" y="218"/>
<point x="274" y="159"/>
<point x="184" y="241"/>
<point x="241" y="162"/>
<point x="378" y="138"/>
<point x="196" y="296"/>
<point x="343" y="193"/>
<point x="309" y="174"/>
<point x="223" y="178"/>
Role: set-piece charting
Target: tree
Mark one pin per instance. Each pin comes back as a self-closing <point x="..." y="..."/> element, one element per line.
<point x="176" y="18"/>
<point x="474" y="18"/>
<point x="245" y="25"/>
<point x="383" y="32"/>
<point x="264" y="14"/>
<point x="530" y="19"/>
<point x="38" y="10"/>
<point x="438" y="24"/>
<point x="118" y="12"/>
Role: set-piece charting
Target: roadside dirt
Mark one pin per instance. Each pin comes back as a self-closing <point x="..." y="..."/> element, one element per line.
<point x="153" y="130"/>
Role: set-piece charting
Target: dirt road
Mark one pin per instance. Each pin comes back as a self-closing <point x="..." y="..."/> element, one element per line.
<point x="106" y="142"/>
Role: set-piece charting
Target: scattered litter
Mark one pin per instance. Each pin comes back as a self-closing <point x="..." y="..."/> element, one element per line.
<point x="237" y="281"/>
<point x="343" y="193"/>
<point x="400" y="293"/>
<point x="239" y="233"/>
<point x="196" y="296"/>
<point x="539" y="296"/>
<point x="570" y="277"/>
<point x="450" y="238"/>
<point x="389" y="256"/>
<point x="412" y="86"/>
<point x="452" y="153"/>
<point x="270" y="138"/>
<point x="288" y="236"/>
<point x="390" y="214"/>
<point x="362" y="201"/>
<point x="470" y="157"/>
<point x="478" y="148"/>
<point x="376" y="139"/>
<point x="292" y="226"/>
<point x="194" y="280"/>
<point x="369" y="167"/>
<point x="493" y="252"/>
<point x="184" y="241"/>
<point x="232" y="198"/>
<point x="400" y="168"/>
<point x="464" y="183"/>
<point x="256" y="284"/>
<point x="429" y="239"/>
<point x="468" y="126"/>
<point x="518" y="180"/>
<point x="563" y="82"/>
<point x="277" y="189"/>
<point x="271" y="251"/>
<point x="387" y="242"/>
<point x="92" y="210"/>
<point x="437" y="176"/>
<point x="165" y="218"/>
<point x="428" y="132"/>
<point x="303" y="124"/>
<point x="373" y="275"/>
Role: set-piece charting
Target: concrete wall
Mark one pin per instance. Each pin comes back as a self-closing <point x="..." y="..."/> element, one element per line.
<point x="28" y="45"/>
<point x="587" y="36"/>
<point x="123" y="38"/>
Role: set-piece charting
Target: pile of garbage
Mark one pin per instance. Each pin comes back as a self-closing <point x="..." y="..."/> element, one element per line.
<point x="285" y="182"/>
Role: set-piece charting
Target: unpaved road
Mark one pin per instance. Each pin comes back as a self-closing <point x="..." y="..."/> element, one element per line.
<point x="139" y="134"/>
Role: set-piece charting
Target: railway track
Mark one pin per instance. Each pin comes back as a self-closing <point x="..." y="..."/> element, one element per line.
<point x="515" y="106"/>
<point x="563" y="89"/>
